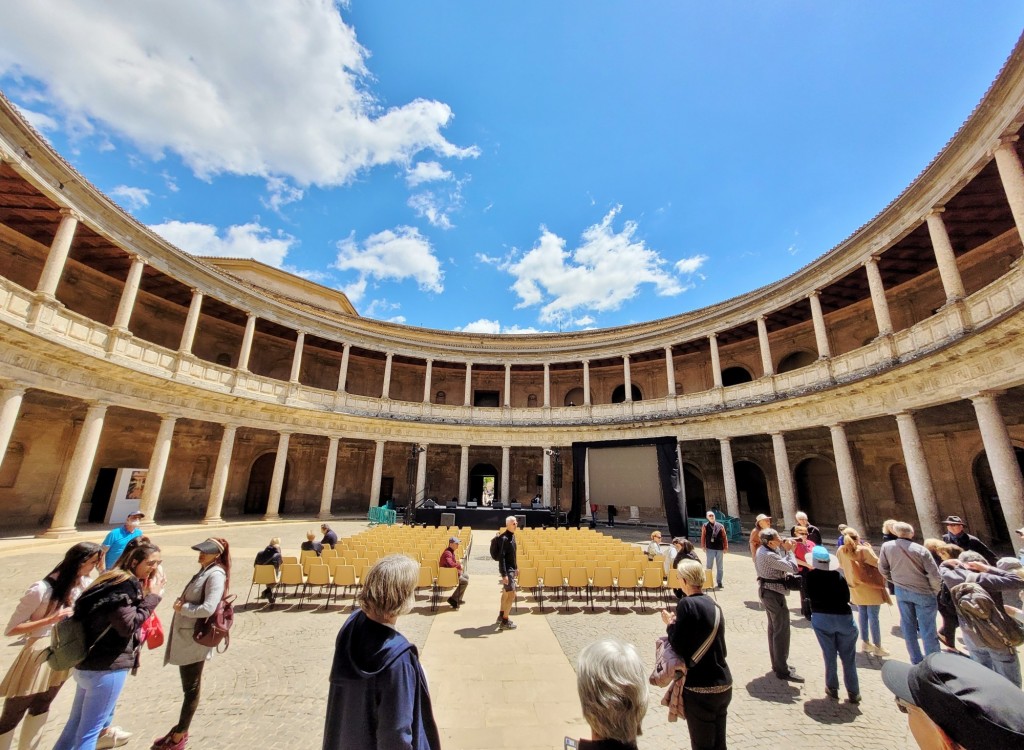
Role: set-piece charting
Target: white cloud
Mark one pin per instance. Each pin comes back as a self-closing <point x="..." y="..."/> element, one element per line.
<point x="605" y="270"/>
<point x="280" y="90"/>
<point x="391" y="255"/>
<point x="690" y="265"/>
<point x="483" y="325"/>
<point x="426" y="171"/>
<point x="238" y="241"/>
<point x="428" y="206"/>
<point x="488" y="259"/>
<point x="281" y="193"/>
<point x="38" y="120"/>
<point x="132" y="197"/>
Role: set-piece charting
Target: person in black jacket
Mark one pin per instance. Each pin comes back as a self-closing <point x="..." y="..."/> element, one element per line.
<point x="508" y="568"/>
<point x="111" y="612"/>
<point x="957" y="534"/>
<point x="708" y="689"/>
<point x="832" y="620"/>
<point x="270" y="555"/>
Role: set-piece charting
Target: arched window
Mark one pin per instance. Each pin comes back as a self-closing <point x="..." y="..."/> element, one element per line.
<point x="619" y="394"/>
<point x="440" y="397"/>
<point x="531" y="401"/>
<point x="573" y="397"/>
<point x="735" y="376"/>
<point x="224" y="359"/>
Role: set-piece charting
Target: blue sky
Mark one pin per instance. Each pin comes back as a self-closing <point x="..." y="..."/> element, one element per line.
<point x="506" y="167"/>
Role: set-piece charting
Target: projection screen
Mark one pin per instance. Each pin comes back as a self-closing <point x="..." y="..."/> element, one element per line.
<point x="624" y="476"/>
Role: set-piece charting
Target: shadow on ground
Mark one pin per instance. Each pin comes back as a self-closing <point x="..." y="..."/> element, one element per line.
<point x="770" y="688"/>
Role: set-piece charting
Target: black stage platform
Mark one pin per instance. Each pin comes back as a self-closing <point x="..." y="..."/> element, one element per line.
<point x="481" y="518"/>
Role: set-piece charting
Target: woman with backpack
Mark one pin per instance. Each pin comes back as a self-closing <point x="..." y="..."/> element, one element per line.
<point x="198" y="601"/>
<point x="30" y="686"/>
<point x="111" y="612"/>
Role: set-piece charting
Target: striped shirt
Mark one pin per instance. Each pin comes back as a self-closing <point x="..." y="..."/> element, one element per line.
<point x="771" y="564"/>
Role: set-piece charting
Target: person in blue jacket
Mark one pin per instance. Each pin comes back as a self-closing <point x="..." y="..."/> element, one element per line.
<point x="378" y="693"/>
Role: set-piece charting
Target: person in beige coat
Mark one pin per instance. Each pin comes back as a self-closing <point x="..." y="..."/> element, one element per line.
<point x="867" y="588"/>
<point x="763" y="522"/>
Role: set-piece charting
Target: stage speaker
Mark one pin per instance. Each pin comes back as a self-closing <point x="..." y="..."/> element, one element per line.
<point x="496" y="504"/>
<point x="471" y="504"/>
<point x="447" y="519"/>
<point x="521" y="520"/>
<point x="516" y="506"/>
<point x="452" y="505"/>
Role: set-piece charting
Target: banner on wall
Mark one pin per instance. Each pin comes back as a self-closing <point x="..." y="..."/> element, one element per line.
<point x="126" y="494"/>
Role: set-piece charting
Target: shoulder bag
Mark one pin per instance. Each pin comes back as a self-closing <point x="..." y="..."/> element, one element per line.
<point x="216" y="629"/>
<point x="670" y="670"/>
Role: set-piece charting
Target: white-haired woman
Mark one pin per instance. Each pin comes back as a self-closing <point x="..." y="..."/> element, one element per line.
<point x="612" y="684"/>
<point x="708" y="688"/>
<point x="378" y="695"/>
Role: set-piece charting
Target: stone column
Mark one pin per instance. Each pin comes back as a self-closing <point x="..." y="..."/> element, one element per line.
<point x="220" y="476"/>
<point x="505" y="479"/>
<point x="250" y="331"/>
<point x="73" y="489"/>
<point x="1012" y="176"/>
<point x="506" y="398"/>
<point x="128" y="294"/>
<point x="157" y="468"/>
<point x="386" y="390"/>
<point x="920" y="479"/>
<point x="343" y="372"/>
<point x="421" y="473"/>
<point x="627" y="378"/>
<point x="716" y="362"/>
<point x="428" y="376"/>
<point x="10" y="407"/>
<point x="330" y="471"/>
<point x="847" y="478"/>
<point x="58" y="255"/>
<point x="732" y="496"/>
<point x="952" y="284"/>
<point x="766" y="352"/>
<point x="670" y="371"/>
<point x="188" y="335"/>
<point x="786" y="494"/>
<point x="277" y="478"/>
<point x="378" y="471"/>
<point x="820" y="332"/>
<point x="300" y="341"/>
<point x="464" y="474"/>
<point x="1002" y="460"/>
<point x="878" y="301"/>
<point x="547" y="385"/>
<point x="546" y="490"/>
<point x="586" y="382"/>
<point x="467" y="396"/>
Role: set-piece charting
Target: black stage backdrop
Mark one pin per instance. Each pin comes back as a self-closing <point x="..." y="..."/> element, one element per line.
<point x="668" y="475"/>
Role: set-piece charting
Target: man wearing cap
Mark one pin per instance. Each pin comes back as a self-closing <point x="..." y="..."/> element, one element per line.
<point x="957" y="534"/>
<point x="450" y="560"/>
<point x="115" y="542"/>
<point x="773" y="563"/>
<point x="953" y="702"/>
<point x="715" y="542"/>
<point x="760" y="524"/>
<point x="912" y="571"/>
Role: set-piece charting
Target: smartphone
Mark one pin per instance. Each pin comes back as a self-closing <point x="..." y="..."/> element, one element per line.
<point x="571" y="744"/>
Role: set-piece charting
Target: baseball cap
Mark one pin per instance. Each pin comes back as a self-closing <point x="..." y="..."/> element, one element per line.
<point x="763" y="517"/>
<point x="972" y="704"/>
<point x="454" y="539"/>
<point x="135" y="514"/>
<point x="820" y="558"/>
<point x="209" y="546"/>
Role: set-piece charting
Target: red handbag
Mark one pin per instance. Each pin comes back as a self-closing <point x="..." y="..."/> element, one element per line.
<point x="152" y="632"/>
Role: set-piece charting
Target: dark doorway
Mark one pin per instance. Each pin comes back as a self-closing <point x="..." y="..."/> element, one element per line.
<point x="752" y="487"/>
<point x="817" y="492"/>
<point x="619" y="394"/>
<point x="735" y="376"/>
<point x="796" y="360"/>
<point x="101" y="495"/>
<point x="485" y="398"/>
<point x="387" y="490"/>
<point x="990" y="497"/>
<point x="257" y="494"/>
<point x="693" y="483"/>
<point x="477" y="476"/>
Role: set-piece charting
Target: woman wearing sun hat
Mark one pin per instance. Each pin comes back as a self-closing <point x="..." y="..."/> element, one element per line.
<point x="763" y="522"/>
<point x="198" y="601"/>
<point x="832" y="620"/>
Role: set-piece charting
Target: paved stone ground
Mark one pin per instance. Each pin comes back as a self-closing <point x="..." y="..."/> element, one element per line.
<point x="270" y="688"/>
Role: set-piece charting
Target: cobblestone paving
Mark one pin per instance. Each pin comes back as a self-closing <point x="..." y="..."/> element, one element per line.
<point x="269" y="689"/>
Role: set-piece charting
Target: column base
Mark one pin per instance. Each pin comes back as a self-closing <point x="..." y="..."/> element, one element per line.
<point x="274" y="517"/>
<point x="325" y="516"/>
<point x="62" y="532"/>
<point x="218" y="521"/>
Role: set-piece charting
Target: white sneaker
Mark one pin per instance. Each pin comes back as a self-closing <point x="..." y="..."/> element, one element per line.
<point x="113" y="737"/>
<point x="866" y="647"/>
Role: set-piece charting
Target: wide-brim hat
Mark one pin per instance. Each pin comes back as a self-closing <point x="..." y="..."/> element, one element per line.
<point x="957" y="520"/>
<point x="822" y="560"/>
<point x="209" y="547"/>
<point x="762" y="517"/>
<point x="975" y="706"/>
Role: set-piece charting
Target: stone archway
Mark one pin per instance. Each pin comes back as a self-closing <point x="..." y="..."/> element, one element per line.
<point x="483" y="477"/>
<point x="817" y="492"/>
<point x="989" y="497"/>
<point x="736" y="375"/>
<point x="752" y="487"/>
<point x="619" y="394"/>
<point x="796" y="360"/>
<point x="574" y="398"/>
<point x="257" y="492"/>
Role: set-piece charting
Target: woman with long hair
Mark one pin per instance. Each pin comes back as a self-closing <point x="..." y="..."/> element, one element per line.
<point x="30" y="686"/>
<point x="111" y="611"/>
<point x="684" y="550"/>
<point x="867" y="588"/>
<point x="198" y="601"/>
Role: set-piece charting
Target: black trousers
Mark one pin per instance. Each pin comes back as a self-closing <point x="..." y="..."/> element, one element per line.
<point x="705" y="718"/>
<point x="191" y="681"/>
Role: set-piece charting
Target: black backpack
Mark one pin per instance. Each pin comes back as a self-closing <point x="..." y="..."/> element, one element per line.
<point x="497" y="544"/>
<point x="985" y="620"/>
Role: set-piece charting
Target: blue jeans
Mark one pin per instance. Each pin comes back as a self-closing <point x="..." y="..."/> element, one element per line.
<point x="95" y="697"/>
<point x="868" y="614"/>
<point x="1005" y="663"/>
<point x="716" y="557"/>
<point x="837" y="636"/>
<point x="917" y="616"/>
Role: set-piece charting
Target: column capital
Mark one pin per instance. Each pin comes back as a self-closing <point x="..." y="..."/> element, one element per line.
<point x="762" y="318"/>
<point x="814" y="293"/>
<point x="168" y="415"/>
<point x="713" y="336"/>
<point x="725" y="440"/>
<point x="872" y="260"/>
<point x="1006" y="141"/>
<point x="380" y="442"/>
<point x="346" y="346"/>
<point x="777" y="433"/>
<point x="668" y="348"/>
<point x="10" y="386"/>
<point x="625" y="357"/>
<point x="935" y="210"/>
<point x="250" y="315"/>
<point x="428" y="360"/>
<point x="136" y="258"/>
<point x="70" y="213"/>
<point x="835" y="425"/>
<point x="984" y="395"/>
